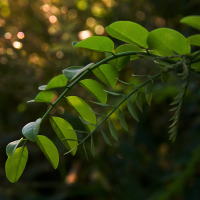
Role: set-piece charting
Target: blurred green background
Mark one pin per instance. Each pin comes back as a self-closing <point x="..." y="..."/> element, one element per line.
<point x="35" y="46"/>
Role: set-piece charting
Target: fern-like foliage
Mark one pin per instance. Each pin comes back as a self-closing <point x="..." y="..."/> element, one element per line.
<point x="166" y="47"/>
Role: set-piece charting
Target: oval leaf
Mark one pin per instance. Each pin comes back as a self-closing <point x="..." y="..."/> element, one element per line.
<point x="129" y="32"/>
<point x="11" y="147"/>
<point x="192" y="21"/>
<point x="122" y="120"/>
<point x="132" y="110"/>
<point x="95" y="88"/>
<point x="97" y="43"/>
<point x="148" y="93"/>
<point x="49" y="150"/>
<point x="138" y="100"/>
<point x="56" y="82"/>
<point x="107" y="74"/>
<point x="44" y="96"/>
<point x="73" y="72"/>
<point x="113" y="130"/>
<point x="106" y="138"/>
<point x="16" y="163"/>
<point x="30" y="130"/>
<point x="64" y="131"/>
<point x="164" y="41"/>
<point x="194" y="40"/>
<point x="83" y="110"/>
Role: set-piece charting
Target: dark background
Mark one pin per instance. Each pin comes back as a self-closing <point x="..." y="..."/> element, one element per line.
<point x="144" y="164"/>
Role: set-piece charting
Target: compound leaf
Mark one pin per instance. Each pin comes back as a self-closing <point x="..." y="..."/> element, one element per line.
<point x="148" y="93"/>
<point x="132" y="110"/>
<point x="106" y="138"/>
<point x="11" y="147"/>
<point x="63" y="129"/>
<point x="122" y="120"/>
<point x="49" y="150"/>
<point x="113" y="130"/>
<point x="16" y="163"/>
<point x="129" y="32"/>
<point x="83" y="110"/>
<point x="97" y="43"/>
<point x="138" y="100"/>
<point x="95" y="88"/>
<point x="165" y="77"/>
<point x="30" y="130"/>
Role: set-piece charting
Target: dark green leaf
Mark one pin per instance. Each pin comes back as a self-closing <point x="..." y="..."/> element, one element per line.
<point x="11" y="147"/>
<point x="165" y="77"/>
<point x="113" y="93"/>
<point x="112" y="130"/>
<point x="106" y="138"/>
<point x="95" y="88"/>
<point x="73" y="72"/>
<point x="85" y="151"/>
<point x="192" y="21"/>
<point x="122" y="120"/>
<point x="132" y="110"/>
<point x="175" y="102"/>
<point x="49" y="150"/>
<point x="86" y="122"/>
<point x="101" y="104"/>
<point x="92" y="146"/>
<point x="30" y="130"/>
<point x="148" y="93"/>
<point x="138" y="100"/>
<point x="97" y="43"/>
<point x="15" y="164"/>
<point x="61" y="128"/>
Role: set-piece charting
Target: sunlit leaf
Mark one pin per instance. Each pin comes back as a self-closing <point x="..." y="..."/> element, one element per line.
<point x="96" y="89"/>
<point x="107" y="74"/>
<point x="30" y="130"/>
<point x="129" y="32"/>
<point x="192" y="21"/>
<point x="73" y="72"/>
<point x="194" y="40"/>
<point x="97" y="43"/>
<point x="16" y="163"/>
<point x="44" y="96"/>
<point x="83" y="110"/>
<point x="149" y="93"/>
<point x="56" y="82"/>
<point x="92" y="147"/>
<point x="49" y="150"/>
<point x="164" y="41"/>
<point x="138" y="100"/>
<point x="11" y="147"/>
<point x="63" y="129"/>
<point x="113" y="130"/>
<point x="165" y="77"/>
<point x="122" y="120"/>
<point x="106" y="138"/>
<point x="132" y="110"/>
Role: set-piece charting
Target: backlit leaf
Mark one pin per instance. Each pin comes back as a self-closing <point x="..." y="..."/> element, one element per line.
<point x="83" y="110"/>
<point x="192" y="21"/>
<point x="30" y="130"/>
<point x="138" y="100"/>
<point x="129" y="32"/>
<point x="49" y="150"/>
<point x="107" y="74"/>
<point x="73" y="72"/>
<point x="11" y="147"/>
<point x="16" y="163"/>
<point x="44" y="96"/>
<point x="106" y="138"/>
<point x="97" y="43"/>
<point x="122" y="120"/>
<point x="194" y="40"/>
<point x="148" y="93"/>
<point x="95" y="88"/>
<point x="113" y="130"/>
<point x="63" y="129"/>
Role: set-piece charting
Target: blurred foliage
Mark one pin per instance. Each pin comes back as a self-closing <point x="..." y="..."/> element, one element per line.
<point x="35" y="45"/>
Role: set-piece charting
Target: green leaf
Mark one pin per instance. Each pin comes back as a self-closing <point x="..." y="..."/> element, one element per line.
<point x="148" y="93"/>
<point x="106" y="138"/>
<point x="129" y="32"/>
<point x="164" y="41"/>
<point x="73" y="72"/>
<point x="15" y="164"/>
<point x="122" y="120"/>
<point x="138" y="100"/>
<point x="192" y="21"/>
<point x="44" y="96"/>
<point x="113" y="93"/>
<point x="83" y="110"/>
<point x="107" y="74"/>
<point x="101" y="104"/>
<point x="30" y="130"/>
<point x="132" y="110"/>
<point x="175" y="102"/>
<point x="11" y="147"/>
<point x="56" y="82"/>
<point x="95" y="88"/>
<point x="63" y="129"/>
<point x="113" y="130"/>
<point x="49" y="150"/>
<point x="97" y="43"/>
<point x="85" y="151"/>
<point x="92" y="146"/>
<point x="112" y="62"/>
<point x="165" y="77"/>
<point x="194" y="40"/>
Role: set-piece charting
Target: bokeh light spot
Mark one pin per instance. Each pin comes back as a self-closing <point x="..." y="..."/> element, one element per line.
<point x="90" y="22"/>
<point x="53" y="19"/>
<point x="4" y="60"/>
<point x="160" y="22"/>
<point x="2" y="22"/>
<point x="8" y="35"/>
<point x="46" y="8"/>
<point x="59" y="54"/>
<point x="9" y="51"/>
<point x="140" y="15"/>
<point x="84" y="34"/>
<point x="82" y="5"/>
<point x="17" y="45"/>
<point x="20" y="35"/>
<point x="98" y="10"/>
<point x="99" y="30"/>
<point x="64" y="9"/>
<point x="72" y="13"/>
